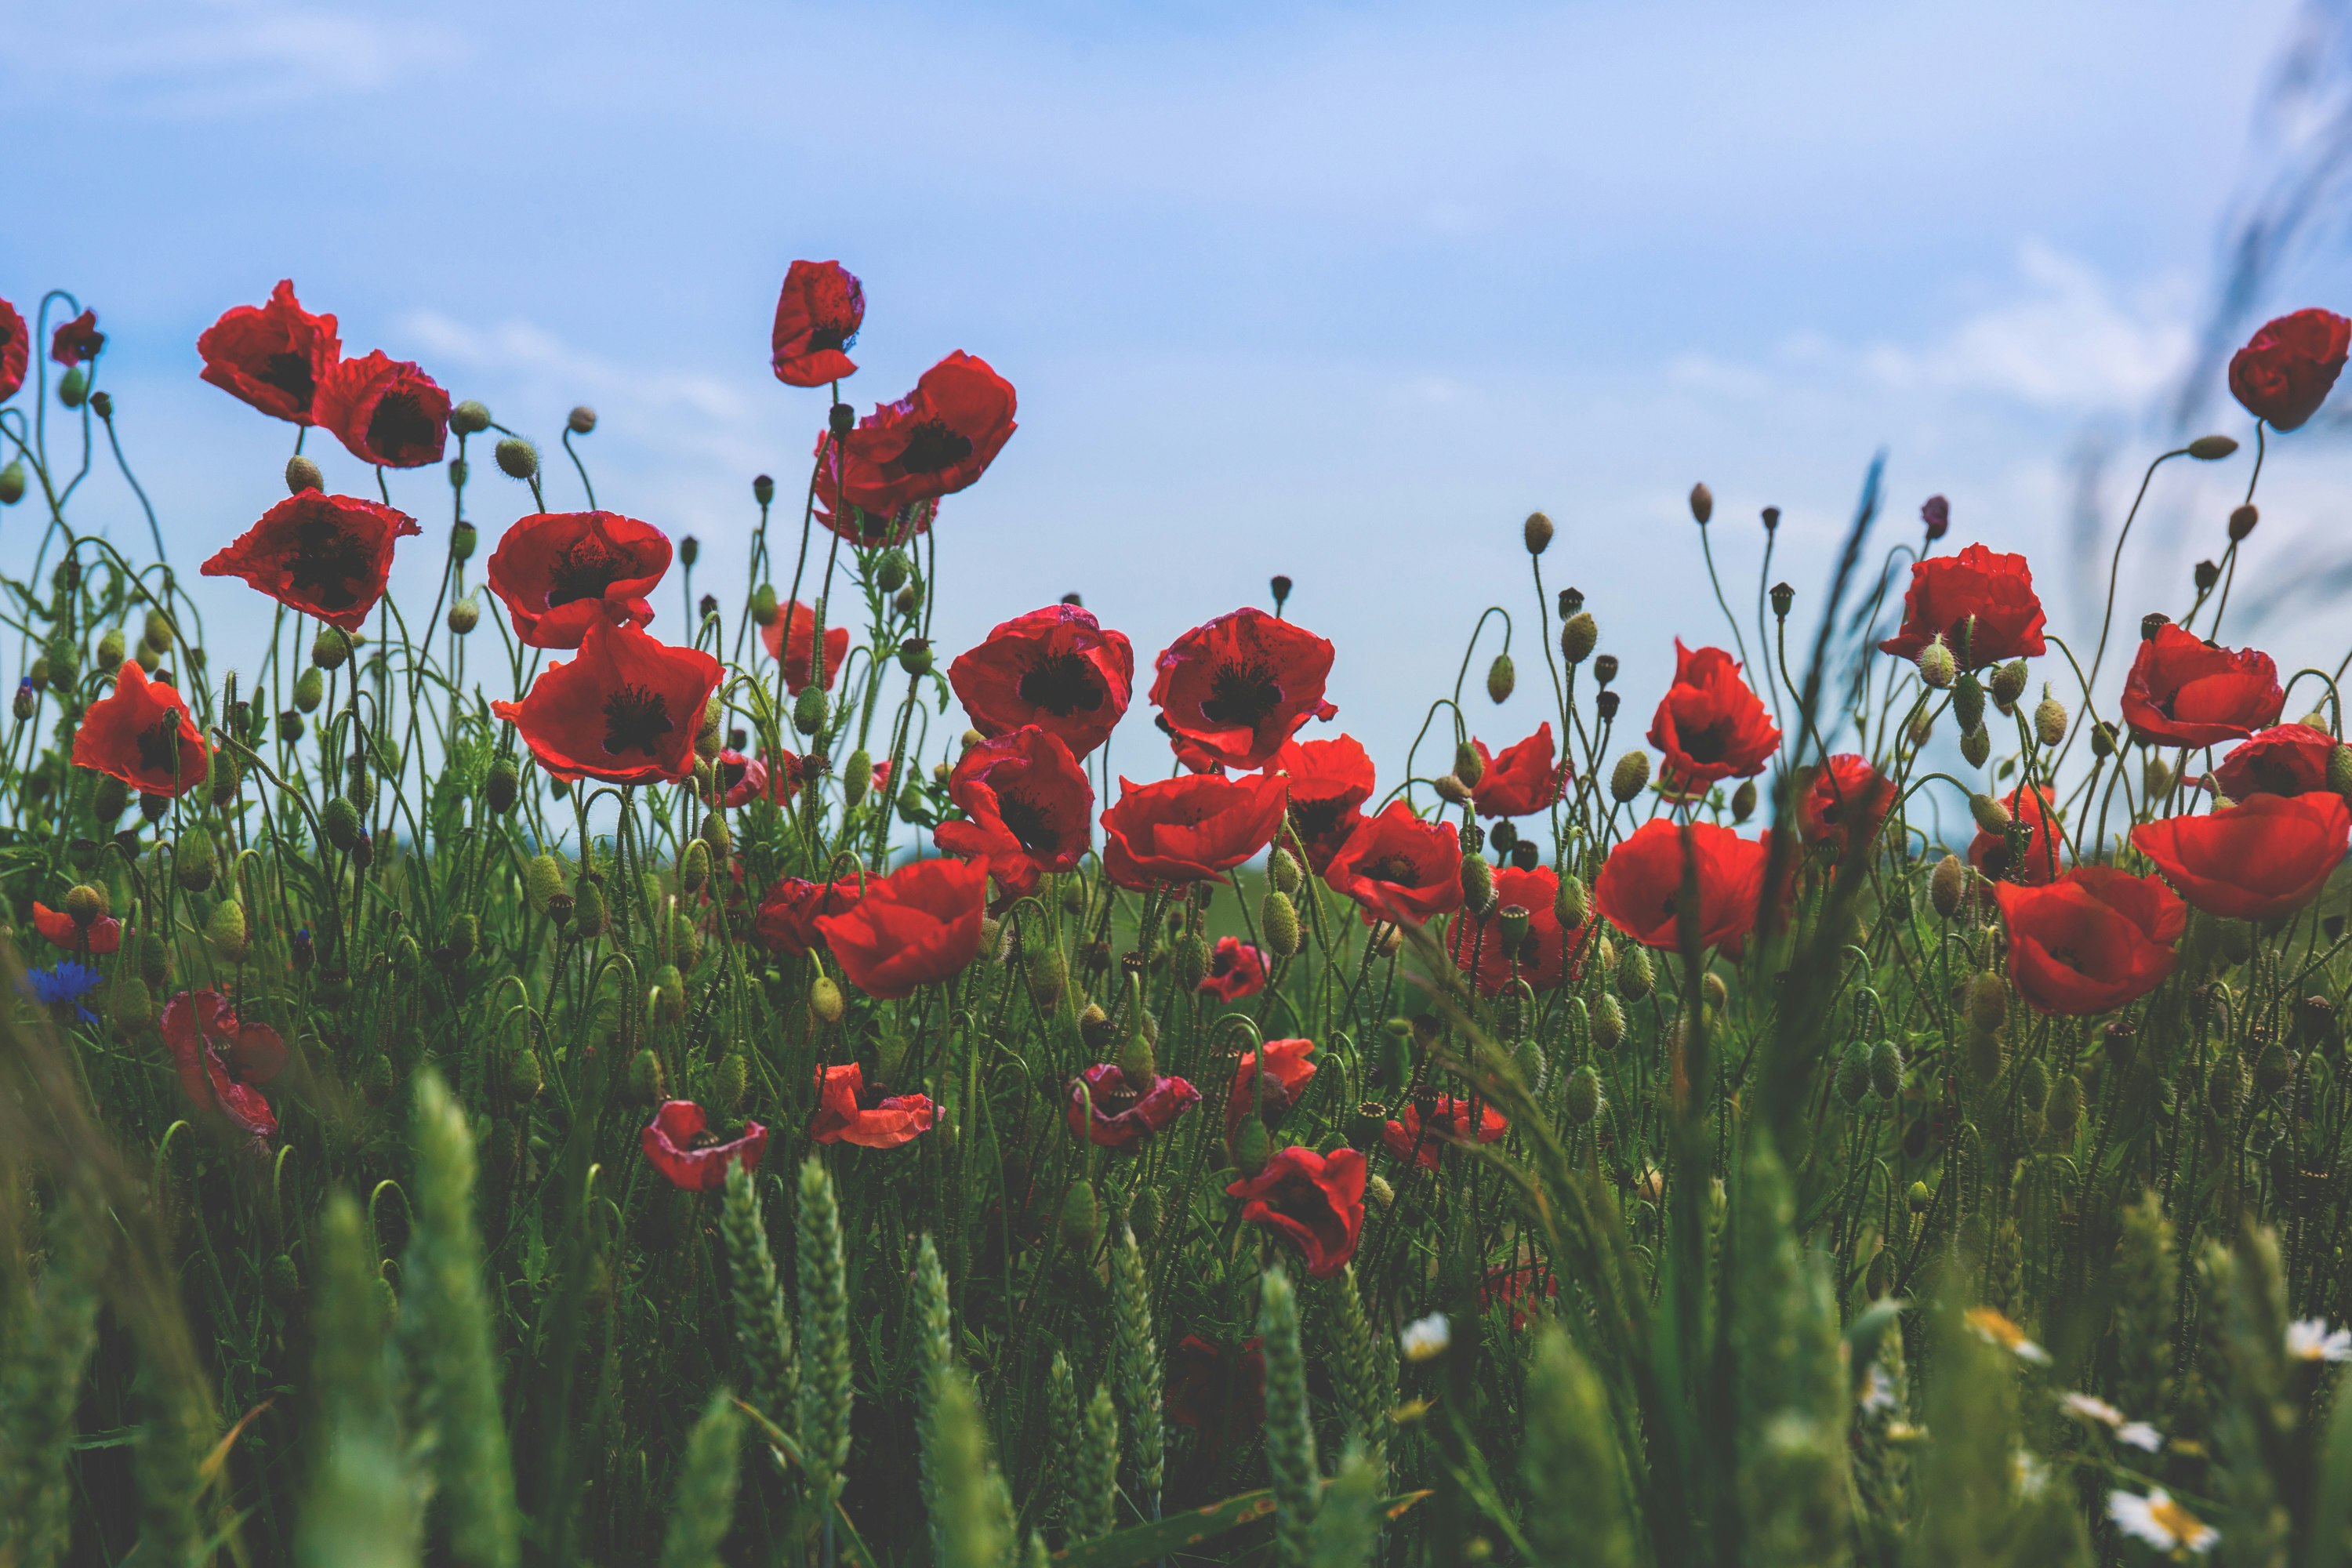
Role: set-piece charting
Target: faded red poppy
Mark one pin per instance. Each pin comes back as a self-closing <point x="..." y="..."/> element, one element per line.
<point x="1240" y="685"/>
<point x="61" y="929"/>
<point x="1287" y="1073"/>
<point x="1329" y="782"/>
<point x="2286" y="370"/>
<point x="220" y="1059"/>
<point x="1709" y="725"/>
<point x="2287" y="759"/>
<point x="558" y="572"/>
<point x="848" y="1111"/>
<point x="384" y="411"/>
<point x="847" y="518"/>
<point x="679" y="1144"/>
<point x="142" y="735"/>
<point x="1423" y="1144"/>
<point x="2183" y="691"/>
<point x="1188" y="830"/>
<point x="787" y="916"/>
<point x="817" y="317"/>
<point x="1054" y="668"/>
<point x="2093" y="940"/>
<point x="804" y="642"/>
<point x="1948" y="593"/>
<point x="272" y="356"/>
<point x="1315" y="1201"/>
<point x="2267" y="856"/>
<point x="1112" y="1112"/>
<point x="1236" y="970"/>
<point x="1641" y="881"/>
<point x="1028" y="808"/>
<point x="2036" y="863"/>
<point x="15" y="349"/>
<point x="1515" y="1287"/>
<point x="935" y="441"/>
<point x="1217" y="1392"/>
<point x="917" y="926"/>
<point x="328" y="556"/>
<point x="1521" y="779"/>
<point x="1843" y="799"/>
<point x="625" y="710"/>
<point x="1542" y="956"/>
<point x="746" y="779"/>
<point x="76" y="342"/>
<point x="1398" y="867"/>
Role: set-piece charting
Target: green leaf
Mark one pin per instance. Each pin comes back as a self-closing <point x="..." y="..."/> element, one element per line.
<point x="1180" y="1532"/>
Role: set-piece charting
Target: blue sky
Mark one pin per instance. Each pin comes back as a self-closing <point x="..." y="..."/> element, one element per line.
<point x="1337" y="290"/>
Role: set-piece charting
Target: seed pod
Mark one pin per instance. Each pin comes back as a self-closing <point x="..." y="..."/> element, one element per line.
<point x="1937" y="667"/>
<point x="341" y="819"/>
<point x="227" y="931"/>
<point x="1574" y="902"/>
<point x="809" y="709"/>
<point x="1583" y="1096"/>
<point x="856" y="776"/>
<point x="1501" y="679"/>
<point x="1702" y="504"/>
<point x="2273" y="1068"/>
<point x="1967" y="702"/>
<point x="330" y="648"/>
<point x="502" y="786"/>
<point x="1577" y="635"/>
<point x="1631" y="776"/>
<point x="2064" y="1108"/>
<point x="2049" y="718"/>
<point x="1854" y="1073"/>
<point x="73" y="387"/>
<point x="1477" y="885"/>
<point x="2103" y="739"/>
<point x="1608" y="1023"/>
<point x="11" y="483"/>
<point x="1081" y="1218"/>
<point x="648" y="1082"/>
<point x="1278" y="920"/>
<point x="1635" y="977"/>
<point x="1743" y="801"/>
<point x="2315" y="1023"/>
<point x="824" y="999"/>
<point x="2009" y="685"/>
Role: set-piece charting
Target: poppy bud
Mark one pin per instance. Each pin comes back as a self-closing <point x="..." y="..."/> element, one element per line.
<point x="468" y="418"/>
<point x="1702" y="504"/>
<point x="1976" y="745"/>
<point x="1477" y="885"/>
<point x="1537" y="532"/>
<point x="2009" y="685"/>
<point x="1631" y="776"/>
<point x="358" y="784"/>
<point x="1583" y="1096"/>
<point x="110" y="650"/>
<point x="1577" y="635"/>
<point x="1783" y="597"/>
<point x="1501" y="677"/>
<point x="666" y="998"/>
<point x="1947" y="885"/>
<point x="130" y="1007"/>
<point x="1743" y="801"/>
<point x="465" y="614"/>
<point x="154" y="807"/>
<point x="87" y="903"/>
<point x="1136" y="1062"/>
<point x="1608" y="1023"/>
<point x="1081" y="1217"/>
<point x="648" y="1084"/>
<point x="225" y="930"/>
<point x="824" y="999"/>
<point x="330" y="648"/>
<point x="1469" y="766"/>
<point x="525" y="1077"/>
<point x="463" y="936"/>
<point x="64" y="659"/>
<point x="1451" y="790"/>
<point x="2339" y="770"/>
<point x="2205" y="574"/>
<point x="113" y="797"/>
<point x="290" y="725"/>
<point x="694" y="866"/>
<point x="2242" y="520"/>
<point x="1192" y="960"/>
<point x="1278" y="919"/>
<point x="192" y="860"/>
<point x="1282" y="872"/>
<point x="2273" y="1068"/>
<point x="582" y="421"/>
<point x="1251" y="1146"/>
<point x="27" y="703"/>
<point x="715" y="835"/>
<point x="1990" y="815"/>
<point x="1988" y="1000"/>
<point x="590" y="912"/>
<point x="1572" y="903"/>
<point x="1967" y="702"/>
<point x="341" y="820"/>
<point x="1854" y="1073"/>
<point x="458" y="471"/>
<point x="11" y="483"/>
<point x="2224" y="1087"/>
<point x="857" y="775"/>
<point x="891" y="571"/>
<point x="517" y="458"/>
<point x="809" y="709"/>
<point x="2050" y="718"/>
<point x="73" y="387"/>
<point x="543" y="879"/>
<point x="1885" y="1069"/>
<point x="1635" y="977"/>
<point x="302" y="474"/>
<point x="2211" y="448"/>
<point x="309" y="689"/>
<point x="1936" y="666"/>
<point x="2155" y="776"/>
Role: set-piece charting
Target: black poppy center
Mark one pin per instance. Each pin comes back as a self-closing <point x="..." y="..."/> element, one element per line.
<point x="1390" y="868"/>
<point x="1301" y="1201"/>
<point x="1242" y="695"/>
<point x="1705" y="744"/>
<point x="290" y="373"/>
<point x="1026" y="820"/>
<point x="634" y="720"/>
<point x="583" y="569"/>
<point x="399" y="425"/>
<point x="933" y="447"/>
<point x="1316" y="819"/>
<point x="326" y="564"/>
<point x="1061" y="684"/>
<point x="826" y="335"/>
<point x="159" y="747"/>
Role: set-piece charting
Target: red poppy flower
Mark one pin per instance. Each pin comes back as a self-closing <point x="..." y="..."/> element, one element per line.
<point x="15" y="349"/>
<point x="558" y="572"/>
<point x="2095" y="939"/>
<point x="1329" y="782"/>
<point x="678" y="1144"/>
<point x="1114" y="1113"/>
<point x="220" y="1059"/>
<point x="1236" y="970"/>
<point x="746" y="779"/>
<point x="1398" y="867"/>
<point x="1996" y="590"/>
<point x="1189" y="755"/>
<point x="1242" y="684"/>
<point x="1842" y="796"/>
<point x="1543" y="955"/>
<point x="1643" y="879"/>
<point x="935" y="441"/>
<point x="787" y="916"/>
<point x="1709" y="724"/>
<point x="918" y="925"/>
<point x="76" y="342"/>
<point x="626" y="710"/>
<point x="384" y="411"/>
<point x="2037" y="862"/>
<point x="2267" y="856"/>
<point x="2288" y="759"/>
<point x="272" y="356"/>
<point x="1028" y="808"/>
<point x="817" y="317"/>
<point x="2183" y="691"/>
<point x="804" y="634"/>
<point x="2285" y="371"/>
<point x="847" y="519"/>
<point x="1217" y="1392"/>
<point x="1287" y="1074"/>
<point x="1449" y="1122"/>
<point x="1511" y="1286"/>
<point x="1054" y="668"/>
<point x="1188" y="830"/>
<point x="1315" y="1201"/>
<point x="1521" y="780"/>
<point x="104" y="936"/>
<point x="142" y="735"/>
<point x="328" y="556"/>
<point x="848" y="1112"/>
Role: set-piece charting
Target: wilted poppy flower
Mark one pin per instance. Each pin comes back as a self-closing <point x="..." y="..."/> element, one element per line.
<point x="272" y="356"/>
<point x="2287" y="759"/>
<point x="2037" y="861"/>
<point x="384" y="411"/>
<point x="1188" y="830"/>
<point x="678" y="1144"/>
<point x="1107" y="1109"/>
<point x="1709" y="725"/>
<point x="220" y="1058"/>
<point x="804" y="642"/>
<point x="1236" y="970"/>
<point x="142" y="735"/>
<point x="1315" y="1201"/>
<point x="1217" y="1392"/>
<point x="15" y="349"/>
<point x="1844" y="800"/>
<point x="626" y="710"/>
<point x="1398" y="867"/>
<point x="1641" y="884"/>
<point x="2095" y="939"/>
<point x="104" y="935"/>
<point x="1543" y="953"/>
<point x="917" y="926"/>
<point x="324" y="555"/>
<point x="76" y="342"/>
<point x="1287" y="1073"/>
<point x="787" y="916"/>
<point x="558" y="572"/>
<point x="849" y="1112"/>
<point x="934" y="441"/>
<point x="2267" y="856"/>
<point x="1240" y="685"/>
<point x="1028" y="808"/>
<point x="1449" y="1122"/>
<point x="1329" y="782"/>
<point x="1054" y="668"/>
<point x="817" y="317"/>
<point x="1947" y="591"/>
<point x="2285" y="371"/>
<point x="2183" y="691"/>
<point x="1520" y="780"/>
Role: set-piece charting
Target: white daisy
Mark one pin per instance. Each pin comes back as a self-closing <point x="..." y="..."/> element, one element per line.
<point x="1425" y="1338"/>
<point x="2031" y="1475"/>
<point x="2160" y="1521"/>
<point x="2091" y="1409"/>
<point x="1996" y="1329"/>
<point x="2309" y="1339"/>
<point x="2140" y="1435"/>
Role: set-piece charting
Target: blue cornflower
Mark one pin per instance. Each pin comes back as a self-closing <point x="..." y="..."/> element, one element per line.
<point x="64" y="985"/>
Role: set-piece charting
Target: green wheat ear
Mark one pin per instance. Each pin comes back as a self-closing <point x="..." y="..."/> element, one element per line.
<point x="935" y="1348"/>
<point x="704" y="1508"/>
<point x="1135" y="1355"/>
<point x="1363" y="1369"/>
<point x="1094" y="1480"/>
<point x="1289" y="1428"/>
<point x="1578" y="1495"/>
<point x="825" y="1392"/>
<point x="46" y="1339"/>
<point x="764" y="1329"/>
<point x="1064" y="1438"/>
<point x="972" y="1511"/>
<point x="167" y="1463"/>
<point x="1348" y="1525"/>
<point x="362" y="1507"/>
